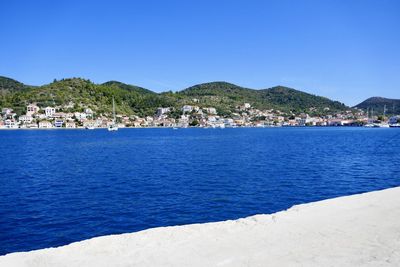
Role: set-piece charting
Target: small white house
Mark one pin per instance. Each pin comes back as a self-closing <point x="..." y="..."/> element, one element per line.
<point x="211" y="111"/>
<point x="49" y="111"/>
<point x="80" y="116"/>
<point x="187" y="108"/>
<point x="45" y="125"/>
<point x="58" y="123"/>
<point x="247" y="105"/>
<point x="70" y="125"/>
<point x="40" y="116"/>
<point x="11" y="124"/>
<point x="25" y="119"/>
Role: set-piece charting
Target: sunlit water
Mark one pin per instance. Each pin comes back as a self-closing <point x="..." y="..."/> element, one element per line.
<point x="61" y="186"/>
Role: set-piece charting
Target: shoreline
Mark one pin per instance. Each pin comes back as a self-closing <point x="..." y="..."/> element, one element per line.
<point x="356" y="230"/>
<point x="239" y="127"/>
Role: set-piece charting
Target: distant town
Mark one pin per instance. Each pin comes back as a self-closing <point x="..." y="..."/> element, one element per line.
<point x="245" y="115"/>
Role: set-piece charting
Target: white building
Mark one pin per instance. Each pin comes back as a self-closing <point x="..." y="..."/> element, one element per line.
<point x="45" y="125"/>
<point x="25" y="119"/>
<point x="247" y="105"/>
<point x="58" y="123"/>
<point x="301" y="121"/>
<point x="162" y="111"/>
<point x="11" y="124"/>
<point x="187" y="108"/>
<point x="70" y="125"/>
<point x="211" y="111"/>
<point x="40" y="116"/>
<point x="89" y="112"/>
<point x="32" y="109"/>
<point x="49" y="111"/>
<point x="80" y="116"/>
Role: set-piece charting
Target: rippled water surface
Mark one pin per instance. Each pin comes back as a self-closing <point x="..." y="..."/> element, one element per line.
<point x="61" y="186"/>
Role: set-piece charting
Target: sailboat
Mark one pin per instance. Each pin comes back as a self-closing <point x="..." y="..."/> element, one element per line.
<point x="113" y="126"/>
<point x="384" y="124"/>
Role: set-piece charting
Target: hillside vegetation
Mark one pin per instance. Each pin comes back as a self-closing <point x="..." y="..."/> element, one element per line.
<point x="10" y="85"/>
<point x="78" y="93"/>
<point x="226" y="95"/>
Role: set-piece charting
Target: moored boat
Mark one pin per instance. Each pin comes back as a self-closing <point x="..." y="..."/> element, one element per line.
<point x="113" y="127"/>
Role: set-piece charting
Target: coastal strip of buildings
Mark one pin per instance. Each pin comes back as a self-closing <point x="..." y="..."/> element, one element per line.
<point x="188" y="116"/>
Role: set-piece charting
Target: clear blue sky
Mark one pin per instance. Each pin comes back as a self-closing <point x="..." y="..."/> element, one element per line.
<point x="346" y="50"/>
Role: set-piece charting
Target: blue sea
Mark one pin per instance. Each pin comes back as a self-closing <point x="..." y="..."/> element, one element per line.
<point x="61" y="186"/>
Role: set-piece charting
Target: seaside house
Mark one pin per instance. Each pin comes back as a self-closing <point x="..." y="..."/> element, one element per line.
<point x="32" y="109"/>
<point x="89" y="123"/>
<point x="8" y="113"/>
<point x="10" y="124"/>
<point x="58" y="123"/>
<point x="80" y="116"/>
<point x="335" y="122"/>
<point x="49" y="111"/>
<point x="24" y="119"/>
<point x="45" y="125"/>
<point x="31" y="125"/>
<point x="70" y="125"/>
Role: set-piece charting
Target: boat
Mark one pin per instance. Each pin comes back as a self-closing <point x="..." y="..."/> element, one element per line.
<point x="396" y="125"/>
<point x="89" y="127"/>
<point x="113" y="127"/>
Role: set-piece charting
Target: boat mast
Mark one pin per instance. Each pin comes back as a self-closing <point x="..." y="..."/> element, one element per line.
<point x="113" y="111"/>
<point x="384" y="111"/>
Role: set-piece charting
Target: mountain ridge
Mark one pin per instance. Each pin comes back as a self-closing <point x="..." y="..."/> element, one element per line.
<point x="132" y="99"/>
<point x="377" y="105"/>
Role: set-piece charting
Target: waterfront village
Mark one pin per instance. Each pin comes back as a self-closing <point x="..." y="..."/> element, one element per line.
<point x="189" y="116"/>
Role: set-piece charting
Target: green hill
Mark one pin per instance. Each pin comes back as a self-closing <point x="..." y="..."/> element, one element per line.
<point x="75" y="94"/>
<point x="285" y="98"/>
<point x="8" y="84"/>
<point x="83" y="93"/>
<point x="225" y="96"/>
<point x="377" y="104"/>
<point x="127" y="87"/>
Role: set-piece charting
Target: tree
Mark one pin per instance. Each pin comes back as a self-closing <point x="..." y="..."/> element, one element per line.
<point x="194" y="123"/>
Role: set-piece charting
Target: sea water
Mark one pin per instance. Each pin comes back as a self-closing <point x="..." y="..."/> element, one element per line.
<point x="61" y="186"/>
